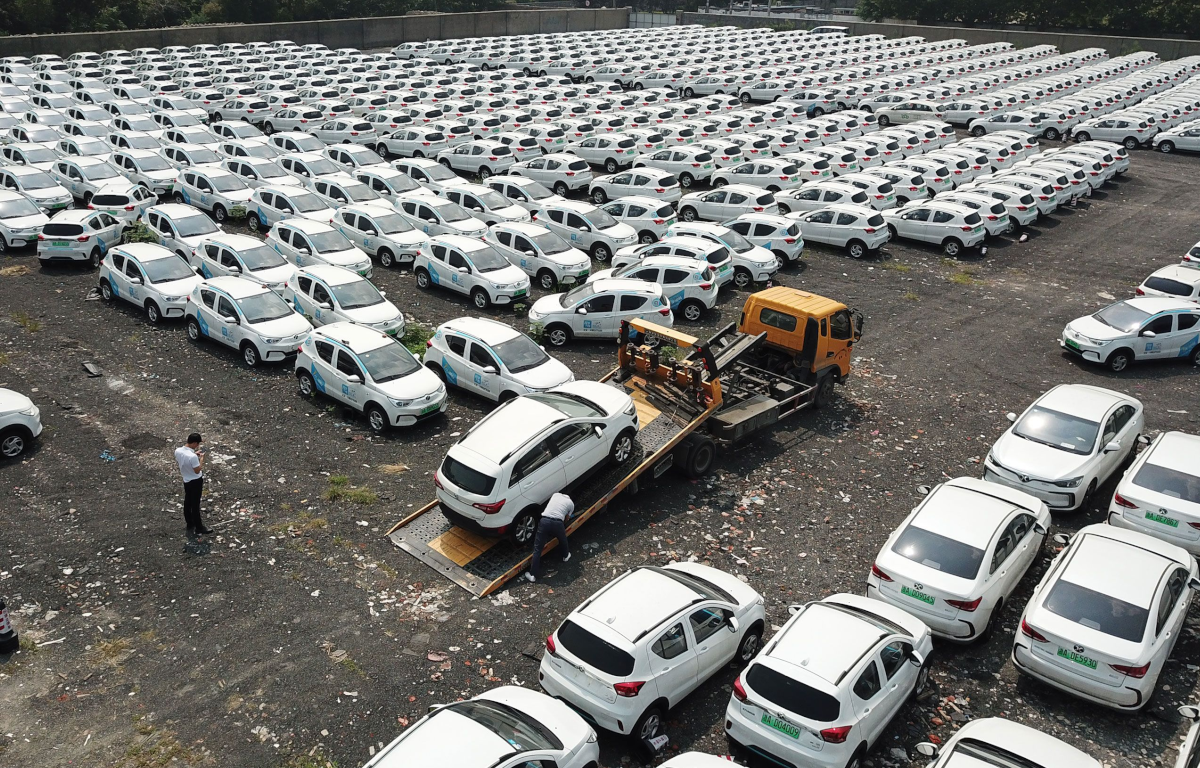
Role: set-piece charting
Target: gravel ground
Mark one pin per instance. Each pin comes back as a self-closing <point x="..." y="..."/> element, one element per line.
<point x="305" y="636"/>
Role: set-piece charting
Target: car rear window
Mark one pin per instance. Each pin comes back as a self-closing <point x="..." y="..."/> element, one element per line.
<point x="110" y="200"/>
<point x="470" y="480"/>
<point x="1098" y="611"/>
<point x="1169" y="482"/>
<point x="767" y="199"/>
<point x="719" y="255"/>
<point x="626" y="143"/>
<point x="593" y="651"/>
<point x="859" y="197"/>
<point x="578" y="165"/>
<point x="665" y="212"/>
<point x="61" y="230"/>
<point x="875" y="221"/>
<point x="1165" y="285"/>
<point x="938" y="552"/>
<point x="972" y="218"/>
<point x="821" y="165"/>
<point x="792" y="695"/>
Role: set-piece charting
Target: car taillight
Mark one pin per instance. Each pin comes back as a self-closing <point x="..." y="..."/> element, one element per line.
<point x="438" y="481"/>
<point x="875" y="571"/>
<point x="628" y="690"/>
<point x="490" y="509"/>
<point x="758" y="209"/>
<point x="705" y="286"/>
<point x="1029" y="631"/>
<point x="739" y="692"/>
<point x="550" y="647"/>
<point x="789" y="240"/>
<point x="82" y="239"/>
<point x="869" y="230"/>
<point x="1138" y="672"/>
<point x="992" y="217"/>
<point x="965" y="605"/>
<point x="664" y="311"/>
<point x="836" y="735"/>
<point x="1118" y="499"/>
<point x="570" y="173"/>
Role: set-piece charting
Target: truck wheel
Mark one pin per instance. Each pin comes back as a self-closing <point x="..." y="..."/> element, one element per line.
<point x="824" y="393"/>
<point x="700" y="458"/>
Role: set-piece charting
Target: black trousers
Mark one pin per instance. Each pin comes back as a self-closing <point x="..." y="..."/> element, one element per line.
<point x="191" y="503"/>
<point x="548" y="528"/>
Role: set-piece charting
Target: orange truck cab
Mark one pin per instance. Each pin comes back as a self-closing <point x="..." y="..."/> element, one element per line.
<point x="808" y="337"/>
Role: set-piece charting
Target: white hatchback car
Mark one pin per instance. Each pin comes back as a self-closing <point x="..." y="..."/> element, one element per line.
<point x="79" y="235"/>
<point x="650" y="217"/>
<point x="1105" y="617"/>
<point x="995" y="740"/>
<point x="472" y="267"/>
<point x="1160" y="492"/>
<point x="241" y="256"/>
<point x="956" y="559"/>
<point x="215" y="190"/>
<point x="951" y="225"/>
<point x="596" y="309"/>
<point x="326" y="294"/>
<point x="21" y="221"/>
<point x="486" y="204"/>
<point x="148" y="276"/>
<point x="272" y="204"/>
<point x="644" y="641"/>
<point x="180" y="228"/>
<point x="246" y="316"/>
<point x="371" y="372"/>
<point x="492" y="360"/>
<point x="20" y="423"/>
<point x="382" y="232"/>
<point x="304" y="243"/>
<point x="1066" y="444"/>
<point x="858" y="229"/>
<point x="689" y="286"/>
<point x="1146" y="328"/>
<point x="726" y="203"/>
<point x="540" y="253"/>
<point x="497" y="477"/>
<point x="506" y="727"/>
<point x="777" y="234"/>
<point x="561" y="172"/>
<point x="436" y="216"/>
<point x="825" y="687"/>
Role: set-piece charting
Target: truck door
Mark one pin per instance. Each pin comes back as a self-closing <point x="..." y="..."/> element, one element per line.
<point x="841" y="337"/>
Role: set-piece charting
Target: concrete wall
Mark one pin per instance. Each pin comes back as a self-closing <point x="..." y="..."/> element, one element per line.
<point x="364" y="34"/>
<point x="1166" y="48"/>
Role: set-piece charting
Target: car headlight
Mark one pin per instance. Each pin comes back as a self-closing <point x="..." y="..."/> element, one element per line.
<point x="632" y="409"/>
<point x="400" y="403"/>
<point x="270" y="341"/>
<point x="1071" y="483"/>
<point x="30" y="411"/>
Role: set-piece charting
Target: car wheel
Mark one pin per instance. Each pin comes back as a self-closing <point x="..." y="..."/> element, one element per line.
<point x="992" y="625"/>
<point x="106" y="291"/>
<point x="383" y="152"/>
<point x="153" y="314"/>
<point x="524" y="527"/>
<point x="689" y="93"/>
<point x="884" y="120"/>
<point x="1052" y="134"/>
<point x="485" y="173"/>
<point x="750" y="645"/>
<point x="386" y="259"/>
<point x="560" y="189"/>
<point x="1130" y="143"/>
<point x="1166" y="147"/>
<point x="250" y="354"/>
<point x="818" y="111"/>
<point x="856" y="761"/>
<point x="1085" y="506"/>
<point x="744" y="98"/>
<point x="546" y="280"/>
<point x="978" y="130"/>
<point x="599" y="197"/>
<point x="178" y="197"/>
<point x="783" y="209"/>
<point x="649" y="724"/>
<point x="94" y="258"/>
<point x="781" y="260"/>
<point x="3" y="245"/>
<point x="437" y="371"/>
<point x="423" y="278"/>
<point x="722" y="182"/>
<point x="253" y="223"/>
<point x="1012" y="226"/>
<point x="610" y="166"/>
<point x="1083" y="136"/>
<point x="692" y="310"/>
<point x="686" y="180"/>
<point x="268" y="129"/>
<point x="377" y="419"/>
<point x="1195" y="356"/>
<point x="700" y="458"/>
<point x="220" y="214"/>
<point x="824" y="393"/>
<point x="742" y="278"/>
<point x="13" y="442"/>
<point x="922" y="680"/>
<point x="687" y="214"/>
<point x="216" y="118"/>
<point x="444" y="162"/>
<point x="558" y="335"/>
<point x="418" y="153"/>
<point x="646" y="237"/>
<point x="856" y="248"/>
<point x="952" y="247"/>
<point x="193" y="329"/>
<point x="601" y="253"/>
<point x="1119" y="360"/>
<point x="622" y="447"/>
<point x="480" y="299"/>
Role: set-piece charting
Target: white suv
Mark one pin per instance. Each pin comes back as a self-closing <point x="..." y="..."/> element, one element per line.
<point x="20" y="422"/>
<point x="642" y="643"/>
<point x="498" y="476"/>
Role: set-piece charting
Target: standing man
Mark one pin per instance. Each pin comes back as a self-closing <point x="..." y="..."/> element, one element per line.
<point x="553" y="523"/>
<point x="191" y="468"/>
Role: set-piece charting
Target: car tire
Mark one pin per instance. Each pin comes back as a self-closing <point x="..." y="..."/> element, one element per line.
<point x="216" y="118"/>
<point x="377" y="418"/>
<point x="1052" y="134"/>
<point x="952" y="247"/>
<point x="546" y="280"/>
<point x="818" y="111"/>
<point x="1195" y="356"/>
<point x="687" y="214"/>
<point x="384" y="153"/>
<point x="883" y="120"/>
<point x="485" y="173"/>
<point x="1166" y="147"/>
<point x="1012" y="226"/>
<point x="524" y="527"/>
<point x="610" y="166"/>
<point x="686" y="181"/>
<point x="505" y="396"/>
<point x="722" y="182"/>
<point x="781" y="259"/>
<point x="250" y="355"/>
<point x="14" y="441"/>
<point x="856" y="760"/>
<point x="153" y="313"/>
<point x="444" y="162"/>
<point x="178" y="198"/>
<point x="106" y="291"/>
<point x="701" y="458"/>
<point x="774" y="190"/>
<point x="750" y="644"/>
<point x="646" y="237"/>
<point x="689" y="93"/>
<point x="1082" y="136"/>
<point x="3" y="245"/>
<point x="601" y="253"/>
<point x="94" y="258"/>
<point x="1130" y="143"/>
<point x="993" y="624"/>
<point x="599" y="197"/>
<point x="480" y="299"/>
<point x="783" y="209"/>
<point x="268" y="129"/>
<point x="744" y="98"/>
<point x="423" y="281"/>
<point x="742" y="278"/>
<point x="220" y="215"/>
<point x="856" y="248"/>
<point x="692" y="310"/>
<point x="418" y="154"/>
<point x="922" y="680"/>
<point x="1119" y="360"/>
<point x="1088" y="495"/>
<point x="649" y="724"/>
<point x="193" y="329"/>
<point x="560" y="189"/>
<point x="622" y="448"/>
<point x="386" y="259"/>
<point x="557" y="335"/>
<point x="253" y="223"/>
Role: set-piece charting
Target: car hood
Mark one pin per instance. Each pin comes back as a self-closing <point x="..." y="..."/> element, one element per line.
<point x="602" y="273"/>
<point x="165" y="174"/>
<point x="509" y="275"/>
<point x="289" y="325"/>
<point x="1025" y="457"/>
<point x="1094" y="329"/>
<point x="512" y="213"/>
<point x="179" y="288"/>
<point x="49" y="193"/>
<point x="549" y="374"/>
<point x="420" y="383"/>
<point x="620" y="231"/>
<point x="342" y="258"/>
<point x="25" y="222"/>
<point x="376" y="313"/>
<point x="323" y="215"/>
<point x="572" y="257"/>
<point x="468" y="227"/>
<point x="273" y="275"/>
<point x="611" y="399"/>
<point x="12" y="402"/>
<point x="548" y="305"/>
<point x="241" y="196"/>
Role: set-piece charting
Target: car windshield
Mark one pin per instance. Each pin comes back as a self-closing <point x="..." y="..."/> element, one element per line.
<point x="572" y="405"/>
<point x="99" y="171"/>
<point x="329" y="242"/>
<point x="264" y="307"/>
<point x="269" y="171"/>
<point x="1122" y="316"/>
<point x="227" y="183"/>
<point x="440" y="173"/>
<point x="518" y="730"/>
<point x="391" y="224"/>
<point x="494" y="200"/>
<point x="520" y="353"/>
<point x="487" y="259"/>
<point x="11" y="209"/>
<point x="1096" y="610"/>
<point x="471" y="481"/>
<point x="601" y="220"/>
<point x="938" y="552"/>
<point x="580" y="294"/>
<point x="167" y="269"/>
<point x="1058" y="430"/>
<point x="389" y="362"/>
<point x="536" y="191"/>
<point x="550" y="243"/>
<point x="203" y="156"/>
<point x="735" y="241"/>
<point x="360" y="293"/>
<point x="792" y="695"/>
<point x="39" y="155"/>
<point x="37" y="180"/>
<point x="306" y="202"/>
<point x="260" y="257"/>
<point x="193" y="226"/>
<point x="360" y="192"/>
<point x="143" y="142"/>
<point x="594" y="651"/>
<point x="321" y="167"/>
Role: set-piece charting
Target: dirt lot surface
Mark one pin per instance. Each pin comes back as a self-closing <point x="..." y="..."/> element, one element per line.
<point x="306" y="637"/>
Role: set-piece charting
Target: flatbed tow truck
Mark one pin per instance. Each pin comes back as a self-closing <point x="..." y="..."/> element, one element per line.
<point x="784" y="356"/>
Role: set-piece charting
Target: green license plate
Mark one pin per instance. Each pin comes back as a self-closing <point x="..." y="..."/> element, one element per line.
<point x="1162" y="519"/>
<point x="430" y="408"/>
<point x="1072" y="344"/>
<point x="59" y="243"/>
<point x="1077" y="658"/>
<point x="976" y="229"/>
<point x="559" y="141"/>
<point x="915" y="595"/>
<point x="583" y="274"/>
<point x="521" y="292"/>
<point x="723" y="269"/>
<point x="782" y="726"/>
<point x="708" y="165"/>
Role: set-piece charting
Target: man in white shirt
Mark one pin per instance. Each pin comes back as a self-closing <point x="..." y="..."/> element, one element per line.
<point x="191" y="469"/>
<point x="553" y="524"/>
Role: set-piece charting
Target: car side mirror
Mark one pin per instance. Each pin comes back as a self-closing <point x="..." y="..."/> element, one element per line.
<point x="135" y="281"/>
<point x="1113" y="445"/>
<point x="354" y="379"/>
<point x="464" y="270"/>
<point x="733" y="624"/>
<point x="581" y="311"/>
<point x="431" y="221"/>
<point x="477" y="210"/>
<point x="370" y="232"/>
<point x="1011" y="417"/>
<point x="1040" y="529"/>
<point x="1062" y="538"/>
<point x="585" y="228"/>
<point x="530" y="254"/>
<point x="1189" y="711"/>
<point x="916" y="657"/>
<point x="926" y="749"/>
<point x="794" y="608"/>
<point x="599" y="430"/>
<point x="1148" y="334"/>
<point x="324" y="305"/>
<point x="229" y="319"/>
<point x="490" y="370"/>
<point x="304" y="251"/>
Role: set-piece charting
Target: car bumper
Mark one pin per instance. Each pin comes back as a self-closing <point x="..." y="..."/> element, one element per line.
<point x="475" y="526"/>
<point x="954" y="630"/>
<point x="22" y="240"/>
<point x="1087" y="352"/>
<point x="60" y="254"/>
<point x="610" y="716"/>
<point x="174" y="310"/>
<point x="1025" y="217"/>
<point x="1118" y="519"/>
<point x="406" y="417"/>
<point x="777" y="747"/>
<point x="278" y="352"/>
<point x="511" y="296"/>
<point x="1124" y="697"/>
<point x="1063" y="500"/>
